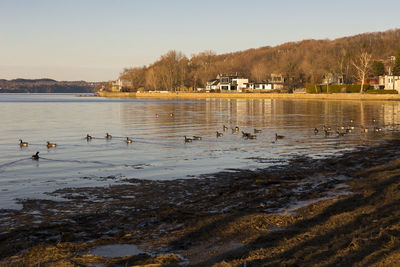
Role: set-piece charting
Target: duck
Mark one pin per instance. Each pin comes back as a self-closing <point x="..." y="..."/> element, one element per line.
<point x="316" y="131"/>
<point x="224" y="128"/>
<point x="196" y="137"/>
<point x="235" y="130"/>
<point x="36" y="156"/>
<point x="188" y="140"/>
<point x="21" y="143"/>
<point x="49" y="145"/>
<point x="108" y="136"/>
<point x="171" y="114"/>
<point x="278" y="136"/>
<point x="219" y="134"/>
<point x="327" y="133"/>
<point x="128" y="140"/>
<point x="88" y="137"/>
<point x="156" y="115"/>
<point x="251" y="136"/>
<point x="364" y="130"/>
<point x="257" y="130"/>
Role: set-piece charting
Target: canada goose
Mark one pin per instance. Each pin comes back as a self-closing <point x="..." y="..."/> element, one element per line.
<point x="278" y="136"/>
<point x="88" y="137"/>
<point x="36" y="156"/>
<point x="224" y="128"/>
<point x="244" y="134"/>
<point x="188" y="140"/>
<point x="21" y="144"/>
<point x="196" y="137"/>
<point x="251" y="136"/>
<point x="257" y="131"/>
<point x="327" y="128"/>
<point x="327" y="133"/>
<point x="219" y="134"/>
<point x="128" y="140"/>
<point x="316" y="131"/>
<point x="49" y="145"/>
<point x="108" y="136"/>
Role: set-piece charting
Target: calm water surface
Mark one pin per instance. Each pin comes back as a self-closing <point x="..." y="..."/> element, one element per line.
<point x="158" y="150"/>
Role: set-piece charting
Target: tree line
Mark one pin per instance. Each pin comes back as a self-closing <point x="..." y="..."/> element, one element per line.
<point x="309" y="60"/>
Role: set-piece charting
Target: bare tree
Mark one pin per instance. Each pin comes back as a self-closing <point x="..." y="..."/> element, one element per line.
<point x="362" y="66"/>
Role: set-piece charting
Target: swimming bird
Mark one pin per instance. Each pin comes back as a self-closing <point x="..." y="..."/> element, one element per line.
<point x="327" y="133"/>
<point x="235" y="130"/>
<point x="36" y="156"/>
<point x="244" y="134"/>
<point x="188" y="140"/>
<point x="278" y="136"/>
<point x="49" y="145"/>
<point x="316" y="131"/>
<point x="219" y="134"/>
<point x="251" y="136"/>
<point x="88" y="137"/>
<point x="108" y="136"/>
<point x="171" y="114"/>
<point x="364" y="130"/>
<point x="196" y="137"/>
<point x="21" y="144"/>
<point x="128" y="140"/>
<point x="156" y="115"/>
<point x="224" y="128"/>
<point x="257" y="130"/>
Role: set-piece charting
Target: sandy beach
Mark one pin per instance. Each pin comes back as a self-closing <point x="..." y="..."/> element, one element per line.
<point x="188" y="95"/>
<point x="337" y="211"/>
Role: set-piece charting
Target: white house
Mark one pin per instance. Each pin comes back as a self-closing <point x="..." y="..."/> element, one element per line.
<point x="119" y="84"/>
<point x="228" y="83"/>
<point x="390" y="82"/>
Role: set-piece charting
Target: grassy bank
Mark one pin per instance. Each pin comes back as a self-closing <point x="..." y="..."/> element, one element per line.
<point x="187" y="95"/>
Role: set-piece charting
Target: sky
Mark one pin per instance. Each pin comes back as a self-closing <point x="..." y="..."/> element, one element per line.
<point x="94" y="40"/>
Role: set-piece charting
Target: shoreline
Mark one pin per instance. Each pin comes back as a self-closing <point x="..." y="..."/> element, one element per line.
<point x="188" y="95"/>
<point x="340" y="210"/>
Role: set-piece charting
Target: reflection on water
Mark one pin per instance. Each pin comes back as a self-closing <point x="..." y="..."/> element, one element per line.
<point x="157" y="128"/>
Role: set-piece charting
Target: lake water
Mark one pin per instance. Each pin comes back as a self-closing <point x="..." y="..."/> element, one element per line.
<point x="159" y="150"/>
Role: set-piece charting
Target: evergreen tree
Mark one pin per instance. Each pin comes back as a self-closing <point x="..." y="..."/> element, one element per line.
<point x="396" y="65"/>
<point x="378" y="68"/>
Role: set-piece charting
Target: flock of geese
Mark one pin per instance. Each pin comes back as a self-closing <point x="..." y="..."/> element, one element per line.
<point x="327" y="131"/>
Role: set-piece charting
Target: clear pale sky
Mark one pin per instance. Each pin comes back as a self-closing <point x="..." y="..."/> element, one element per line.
<point x="94" y="40"/>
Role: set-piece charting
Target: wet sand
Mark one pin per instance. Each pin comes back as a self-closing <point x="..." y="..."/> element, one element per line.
<point x="337" y="211"/>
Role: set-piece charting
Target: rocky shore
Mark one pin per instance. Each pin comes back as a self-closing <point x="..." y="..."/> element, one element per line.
<point x="337" y="211"/>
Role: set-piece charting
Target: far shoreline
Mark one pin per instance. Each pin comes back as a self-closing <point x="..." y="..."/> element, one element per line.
<point x="295" y="96"/>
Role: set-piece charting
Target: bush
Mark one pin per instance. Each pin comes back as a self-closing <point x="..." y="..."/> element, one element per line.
<point x="334" y="88"/>
<point x="381" y="92"/>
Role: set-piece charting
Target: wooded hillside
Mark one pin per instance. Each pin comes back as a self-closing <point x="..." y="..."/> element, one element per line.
<point x="45" y="86"/>
<point x="309" y="59"/>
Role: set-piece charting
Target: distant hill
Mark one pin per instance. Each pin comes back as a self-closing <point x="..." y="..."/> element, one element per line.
<point x="45" y="86"/>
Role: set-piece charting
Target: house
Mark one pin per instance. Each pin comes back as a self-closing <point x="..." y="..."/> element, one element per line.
<point x="121" y="85"/>
<point x="390" y="82"/>
<point x="212" y="85"/>
<point x="333" y="78"/>
<point x="260" y="86"/>
<point x="228" y="82"/>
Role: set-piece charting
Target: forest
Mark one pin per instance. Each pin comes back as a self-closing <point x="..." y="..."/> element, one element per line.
<point x="45" y="86"/>
<point x="308" y="60"/>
